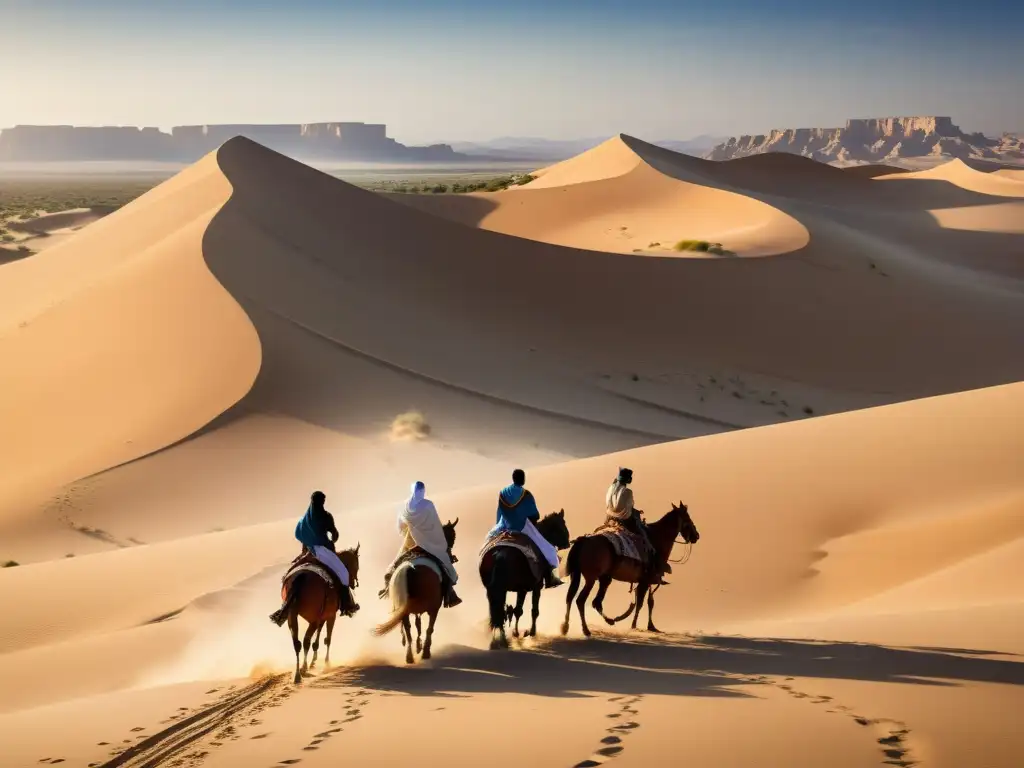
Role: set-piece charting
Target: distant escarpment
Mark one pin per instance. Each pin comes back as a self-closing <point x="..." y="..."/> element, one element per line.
<point x="873" y="140"/>
<point x="187" y="143"/>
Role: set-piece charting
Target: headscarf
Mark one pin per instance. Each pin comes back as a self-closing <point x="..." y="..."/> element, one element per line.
<point x="419" y="492"/>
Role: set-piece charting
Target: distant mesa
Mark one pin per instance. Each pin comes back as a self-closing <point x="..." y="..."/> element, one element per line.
<point x="876" y="140"/>
<point x="188" y="143"/>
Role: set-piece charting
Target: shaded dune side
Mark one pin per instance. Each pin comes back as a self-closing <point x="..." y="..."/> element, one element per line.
<point x="119" y="341"/>
<point x="351" y="266"/>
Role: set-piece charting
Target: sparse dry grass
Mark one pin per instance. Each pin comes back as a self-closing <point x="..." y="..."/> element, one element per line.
<point x="24" y="199"/>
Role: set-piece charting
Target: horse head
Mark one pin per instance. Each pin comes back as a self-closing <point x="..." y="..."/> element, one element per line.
<point x="350" y="559"/>
<point x="553" y="528"/>
<point x="449" y="537"/>
<point x="686" y="527"/>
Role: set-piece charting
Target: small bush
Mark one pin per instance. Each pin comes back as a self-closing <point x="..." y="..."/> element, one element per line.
<point x="11" y="564"/>
<point x="702" y="246"/>
<point x="439" y="189"/>
<point x="808" y="410"/>
<point x="410" y="426"/>
<point x="7" y="238"/>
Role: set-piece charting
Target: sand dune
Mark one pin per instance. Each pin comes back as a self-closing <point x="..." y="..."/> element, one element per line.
<point x="183" y="372"/>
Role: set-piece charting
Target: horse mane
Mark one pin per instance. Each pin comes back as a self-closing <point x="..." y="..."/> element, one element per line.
<point x="663" y="521"/>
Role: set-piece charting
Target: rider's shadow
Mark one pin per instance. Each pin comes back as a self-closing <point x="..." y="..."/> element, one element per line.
<point x="676" y="665"/>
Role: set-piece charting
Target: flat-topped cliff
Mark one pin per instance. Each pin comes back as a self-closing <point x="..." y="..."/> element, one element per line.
<point x="871" y="140"/>
<point x="187" y="143"/>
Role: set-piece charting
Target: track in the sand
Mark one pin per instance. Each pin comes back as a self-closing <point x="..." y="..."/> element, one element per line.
<point x="189" y="740"/>
<point x="184" y="744"/>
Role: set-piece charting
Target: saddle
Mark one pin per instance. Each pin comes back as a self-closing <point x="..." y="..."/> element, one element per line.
<point x="306" y="562"/>
<point x="521" y="542"/>
<point x="630" y="544"/>
<point x="417" y="553"/>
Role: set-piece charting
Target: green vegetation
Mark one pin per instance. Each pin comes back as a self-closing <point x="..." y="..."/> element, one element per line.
<point x="703" y="246"/>
<point x="23" y="199"/>
<point x="456" y="187"/>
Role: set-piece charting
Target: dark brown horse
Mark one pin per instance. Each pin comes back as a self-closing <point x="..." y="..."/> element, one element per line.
<point x="416" y="590"/>
<point x="506" y="569"/>
<point x="317" y="603"/>
<point x="593" y="558"/>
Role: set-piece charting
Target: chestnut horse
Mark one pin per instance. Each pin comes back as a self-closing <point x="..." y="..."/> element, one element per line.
<point x="317" y="603"/>
<point x="593" y="558"/>
<point x="416" y="590"/>
<point x="506" y="569"/>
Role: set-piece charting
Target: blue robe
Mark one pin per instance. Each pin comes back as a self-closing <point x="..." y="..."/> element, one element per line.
<point x="516" y="505"/>
<point x="312" y="528"/>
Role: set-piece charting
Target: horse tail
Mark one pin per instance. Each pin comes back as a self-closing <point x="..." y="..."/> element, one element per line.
<point x="280" y="616"/>
<point x="572" y="560"/>
<point x="497" y="588"/>
<point x="399" y="599"/>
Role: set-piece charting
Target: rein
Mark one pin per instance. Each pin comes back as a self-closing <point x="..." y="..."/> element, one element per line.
<point x="685" y="558"/>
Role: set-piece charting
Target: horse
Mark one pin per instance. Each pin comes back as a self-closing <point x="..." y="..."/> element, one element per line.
<point x="505" y="569"/>
<point x="317" y="603"/>
<point x="593" y="558"/>
<point x="416" y="590"/>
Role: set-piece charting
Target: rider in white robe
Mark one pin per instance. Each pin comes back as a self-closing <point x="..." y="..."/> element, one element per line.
<point x="420" y="526"/>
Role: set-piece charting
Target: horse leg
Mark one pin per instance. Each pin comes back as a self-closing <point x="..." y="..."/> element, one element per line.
<point x="316" y="645"/>
<point x="518" y="612"/>
<point x="650" y="612"/>
<point x="293" y="627"/>
<point x="430" y="633"/>
<point x="574" y="585"/>
<point x="407" y="629"/>
<point x="581" y="604"/>
<point x="306" y="641"/>
<point x="534" y="613"/>
<point x="327" y="640"/>
<point x="641" y="593"/>
<point x="602" y="589"/>
<point x="419" y="633"/>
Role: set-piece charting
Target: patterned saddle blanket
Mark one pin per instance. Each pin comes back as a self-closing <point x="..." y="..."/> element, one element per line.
<point x="624" y="541"/>
<point x="518" y="541"/>
<point x="305" y="563"/>
<point x="419" y="557"/>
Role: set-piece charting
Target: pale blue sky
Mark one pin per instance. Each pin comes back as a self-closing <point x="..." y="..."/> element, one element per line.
<point x="461" y="70"/>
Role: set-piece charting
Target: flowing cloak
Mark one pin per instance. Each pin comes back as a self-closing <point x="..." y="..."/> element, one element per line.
<point x="516" y="505"/>
<point x="421" y="526"/>
<point x="313" y="527"/>
<point x="619" y="502"/>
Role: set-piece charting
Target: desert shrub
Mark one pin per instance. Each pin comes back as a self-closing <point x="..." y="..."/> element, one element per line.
<point x="7" y="238"/>
<point x="11" y="564"/>
<point x="703" y="246"/>
<point x="439" y="189"/>
<point x="524" y="179"/>
<point x="410" y="426"/>
<point x="808" y="410"/>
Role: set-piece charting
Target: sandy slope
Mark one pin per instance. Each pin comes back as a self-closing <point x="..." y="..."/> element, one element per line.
<point x="250" y="329"/>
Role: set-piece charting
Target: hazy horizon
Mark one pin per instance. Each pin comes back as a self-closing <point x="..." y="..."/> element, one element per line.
<point x="461" y="71"/>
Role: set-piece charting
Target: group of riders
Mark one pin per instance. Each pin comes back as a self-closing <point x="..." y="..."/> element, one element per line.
<point x="421" y="530"/>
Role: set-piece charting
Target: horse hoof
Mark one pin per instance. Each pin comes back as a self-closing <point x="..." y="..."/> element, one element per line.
<point x="565" y="628"/>
<point x="586" y="632"/>
<point x="654" y="629"/>
<point x="298" y="678"/>
<point x="426" y="655"/>
<point x="410" y="660"/>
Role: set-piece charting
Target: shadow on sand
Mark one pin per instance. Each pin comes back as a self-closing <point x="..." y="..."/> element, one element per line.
<point x="674" y="665"/>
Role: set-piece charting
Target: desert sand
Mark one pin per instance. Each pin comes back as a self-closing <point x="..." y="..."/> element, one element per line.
<point x="839" y="406"/>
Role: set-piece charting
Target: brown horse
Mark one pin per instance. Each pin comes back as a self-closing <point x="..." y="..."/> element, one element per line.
<point x="416" y="590"/>
<point x="593" y="558"/>
<point x="506" y="569"/>
<point x="317" y="603"/>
